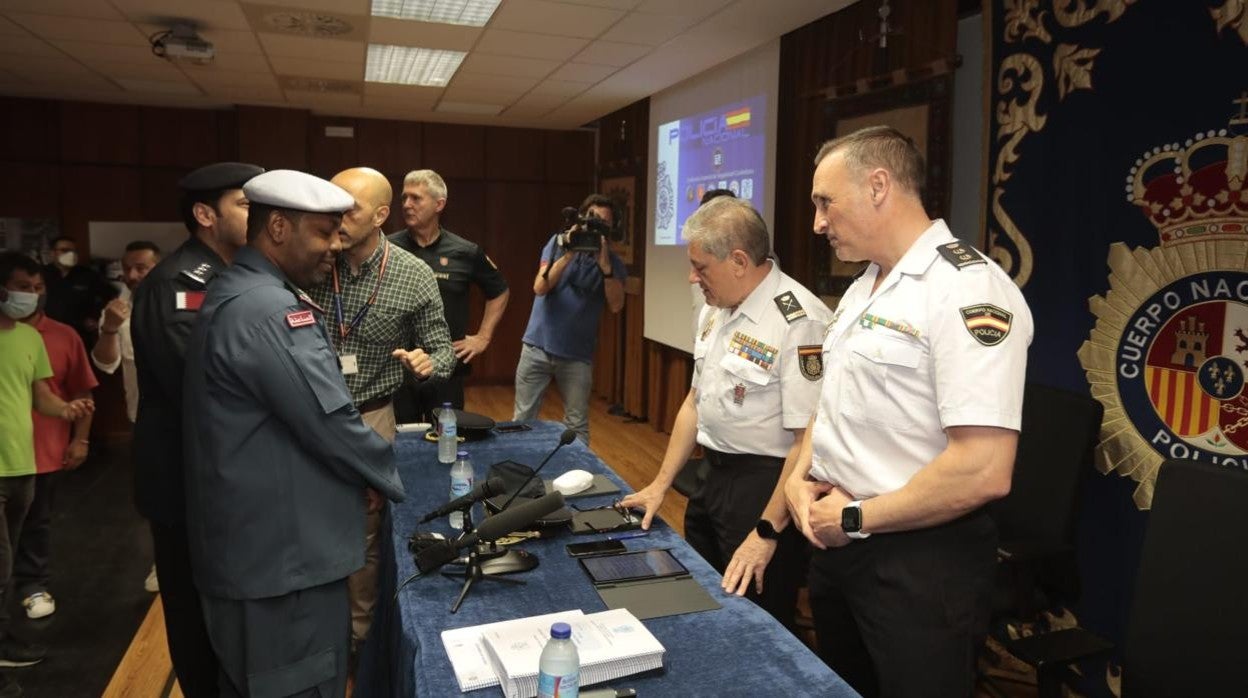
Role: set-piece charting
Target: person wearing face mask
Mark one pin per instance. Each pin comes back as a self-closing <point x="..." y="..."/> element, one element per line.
<point x="280" y="467"/>
<point x="59" y="445"/>
<point x="76" y="292"/>
<point x="165" y="307"/>
<point x="24" y="373"/>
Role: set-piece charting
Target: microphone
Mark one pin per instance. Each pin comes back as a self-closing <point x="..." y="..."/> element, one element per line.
<point x="490" y="488"/>
<point x="493" y="528"/>
<point x="567" y="437"/>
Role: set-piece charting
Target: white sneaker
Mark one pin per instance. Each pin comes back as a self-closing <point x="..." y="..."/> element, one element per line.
<point x="152" y="584"/>
<point x="39" y="605"/>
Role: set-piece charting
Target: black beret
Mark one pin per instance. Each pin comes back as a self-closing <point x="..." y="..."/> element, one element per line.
<point x="220" y="175"/>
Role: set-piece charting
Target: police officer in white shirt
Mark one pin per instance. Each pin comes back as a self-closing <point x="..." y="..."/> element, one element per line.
<point x="915" y="432"/>
<point x="757" y="368"/>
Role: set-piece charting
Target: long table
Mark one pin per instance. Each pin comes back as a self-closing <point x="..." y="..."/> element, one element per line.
<point x="736" y="650"/>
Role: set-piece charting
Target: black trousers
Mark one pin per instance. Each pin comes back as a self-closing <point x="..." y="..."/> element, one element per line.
<point x="726" y="509"/>
<point x="34" y="547"/>
<point x="903" y="615"/>
<point x="193" y="659"/>
<point x="416" y="403"/>
<point x="290" y="645"/>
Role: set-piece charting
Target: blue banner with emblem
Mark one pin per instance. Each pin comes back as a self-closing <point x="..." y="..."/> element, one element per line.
<point x="1116" y="198"/>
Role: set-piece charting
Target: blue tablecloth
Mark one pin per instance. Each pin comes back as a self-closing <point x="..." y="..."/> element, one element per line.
<point x="736" y="650"/>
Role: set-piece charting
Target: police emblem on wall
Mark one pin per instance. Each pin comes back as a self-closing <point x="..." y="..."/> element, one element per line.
<point x="1169" y="352"/>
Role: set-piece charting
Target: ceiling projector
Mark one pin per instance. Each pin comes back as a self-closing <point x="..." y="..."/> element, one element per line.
<point x="183" y="44"/>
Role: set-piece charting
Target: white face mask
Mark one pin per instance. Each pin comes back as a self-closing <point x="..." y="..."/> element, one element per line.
<point x="20" y="304"/>
<point x="67" y="259"/>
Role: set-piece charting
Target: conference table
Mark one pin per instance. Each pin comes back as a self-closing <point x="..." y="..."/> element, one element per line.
<point x="736" y="650"/>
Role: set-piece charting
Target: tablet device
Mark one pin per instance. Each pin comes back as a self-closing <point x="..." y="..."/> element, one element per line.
<point x="627" y="567"/>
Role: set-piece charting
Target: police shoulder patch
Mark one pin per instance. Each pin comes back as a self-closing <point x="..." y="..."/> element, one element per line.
<point x="810" y="361"/>
<point x="789" y="307"/>
<point x="300" y="318"/>
<point x="987" y="323"/>
<point x="960" y="254"/>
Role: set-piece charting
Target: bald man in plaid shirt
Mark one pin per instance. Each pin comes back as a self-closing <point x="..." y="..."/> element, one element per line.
<point x="379" y="301"/>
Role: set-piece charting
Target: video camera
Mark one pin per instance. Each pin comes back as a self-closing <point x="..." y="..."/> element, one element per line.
<point x="583" y="233"/>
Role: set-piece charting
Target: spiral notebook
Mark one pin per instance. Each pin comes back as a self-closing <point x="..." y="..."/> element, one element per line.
<point x="466" y="648"/>
<point x="611" y="645"/>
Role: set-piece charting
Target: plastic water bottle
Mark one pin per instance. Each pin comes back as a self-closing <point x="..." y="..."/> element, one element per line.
<point x="447" y="431"/>
<point x="461" y="484"/>
<point x="559" y="669"/>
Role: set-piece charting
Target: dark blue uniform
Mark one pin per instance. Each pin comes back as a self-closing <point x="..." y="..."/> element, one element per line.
<point x="277" y="463"/>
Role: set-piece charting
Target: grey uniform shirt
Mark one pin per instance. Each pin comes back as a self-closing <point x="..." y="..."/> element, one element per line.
<point x="757" y="369"/>
<point x="277" y="458"/>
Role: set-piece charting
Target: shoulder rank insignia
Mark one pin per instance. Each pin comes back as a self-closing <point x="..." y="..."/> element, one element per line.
<point x="810" y="360"/>
<point x="960" y="254"/>
<point x="707" y="326"/>
<point x="987" y="323"/>
<point x="188" y="300"/>
<point x="201" y="274"/>
<point x="789" y="307"/>
<point x="300" y="318"/>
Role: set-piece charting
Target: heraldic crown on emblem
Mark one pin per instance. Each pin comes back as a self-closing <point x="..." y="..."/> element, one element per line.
<point x="1196" y="190"/>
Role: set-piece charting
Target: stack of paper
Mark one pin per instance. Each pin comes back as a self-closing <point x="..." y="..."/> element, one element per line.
<point x="611" y="644"/>
<point x="466" y="649"/>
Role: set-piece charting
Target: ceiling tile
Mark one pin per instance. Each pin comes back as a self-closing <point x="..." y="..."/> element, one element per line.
<point x="545" y="17"/>
<point x="73" y="83"/>
<point x="652" y="30"/>
<point x="547" y="102"/>
<point x="333" y="70"/>
<point x="223" y="40"/>
<point x="27" y="65"/>
<point x="28" y="45"/>
<point x="526" y="111"/>
<point x="318" y="49"/>
<point x="583" y="72"/>
<point x="403" y="32"/>
<point x="10" y="28"/>
<point x="89" y="51"/>
<point x="560" y="88"/>
<point x="246" y="94"/>
<point x="502" y="83"/>
<point x="508" y="65"/>
<point x="293" y="21"/>
<point x="145" y="71"/>
<point x="62" y="8"/>
<point x="226" y="78"/>
<point x="401" y="93"/>
<point x="684" y="8"/>
<point x="480" y="108"/>
<point x="76" y="29"/>
<point x="208" y="14"/>
<point x="321" y="100"/>
<point x="613" y="4"/>
<point x="509" y="43"/>
<point x="355" y="7"/>
<point x="174" y="87"/>
<point x="468" y="94"/>
<point x="248" y="62"/>
<point x="612" y="53"/>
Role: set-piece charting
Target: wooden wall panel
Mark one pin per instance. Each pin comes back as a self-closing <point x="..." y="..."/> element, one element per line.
<point x="569" y="156"/>
<point x="635" y="362"/>
<point x="273" y="138"/>
<point x="160" y="193"/>
<point x="179" y="138"/>
<point x="514" y="154"/>
<point x="28" y="189"/>
<point x="327" y="156"/>
<point x="454" y="151"/>
<point x="98" y="193"/>
<point x="99" y="133"/>
<point x="29" y="130"/>
<point x="513" y="240"/>
<point x="390" y="147"/>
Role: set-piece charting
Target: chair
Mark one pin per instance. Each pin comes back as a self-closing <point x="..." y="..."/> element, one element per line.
<point x="1036" y="525"/>
<point x="1188" y="626"/>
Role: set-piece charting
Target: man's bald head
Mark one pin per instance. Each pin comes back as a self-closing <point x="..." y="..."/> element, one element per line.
<point x="372" y="193"/>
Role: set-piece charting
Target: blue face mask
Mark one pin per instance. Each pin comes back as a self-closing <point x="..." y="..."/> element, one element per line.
<point x="20" y="304"/>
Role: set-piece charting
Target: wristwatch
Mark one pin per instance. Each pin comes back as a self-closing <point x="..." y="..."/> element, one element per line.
<point x="851" y="521"/>
<point x="765" y="530"/>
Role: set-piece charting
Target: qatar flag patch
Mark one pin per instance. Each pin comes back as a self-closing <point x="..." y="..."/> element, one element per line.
<point x="300" y="318"/>
<point x="188" y="300"/>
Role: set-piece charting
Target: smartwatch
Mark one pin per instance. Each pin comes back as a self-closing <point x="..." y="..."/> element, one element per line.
<point x="851" y="520"/>
<point x="765" y="530"/>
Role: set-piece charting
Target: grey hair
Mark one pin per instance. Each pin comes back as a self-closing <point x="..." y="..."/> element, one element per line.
<point x="724" y="224"/>
<point x="429" y="178"/>
<point x="880" y="146"/>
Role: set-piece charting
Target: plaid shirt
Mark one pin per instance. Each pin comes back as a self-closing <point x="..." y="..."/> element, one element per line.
<point x="406" y="314"/>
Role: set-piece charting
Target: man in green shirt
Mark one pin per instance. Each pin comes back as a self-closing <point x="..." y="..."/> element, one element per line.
<point x="379" y="300"/>
<point x="24" y="370"/>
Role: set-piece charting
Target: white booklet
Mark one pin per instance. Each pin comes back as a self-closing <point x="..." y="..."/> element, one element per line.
<point x="611" y="644"/>
<point x="466" y="650"/>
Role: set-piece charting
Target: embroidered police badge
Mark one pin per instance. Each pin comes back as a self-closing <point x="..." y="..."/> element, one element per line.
<point x="987" y="323"/>
<point x="789" y="307"/>
<point x="810" y="361"/>
<point x="960" y="255"/>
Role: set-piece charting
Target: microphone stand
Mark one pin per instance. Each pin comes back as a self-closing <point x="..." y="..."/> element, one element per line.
<point x="492" y="560"/>
<point x="474" y="568"/>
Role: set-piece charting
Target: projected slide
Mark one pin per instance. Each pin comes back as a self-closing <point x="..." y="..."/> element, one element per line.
<point x="719" y="149"/>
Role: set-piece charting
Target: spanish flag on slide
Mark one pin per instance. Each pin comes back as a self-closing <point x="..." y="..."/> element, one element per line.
<point x="739" y="118"/>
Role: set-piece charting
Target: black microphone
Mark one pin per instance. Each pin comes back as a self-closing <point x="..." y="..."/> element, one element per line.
<point x="490" y="488"/>
<point x="493" y="528"/>
<point x="567" y="437"/>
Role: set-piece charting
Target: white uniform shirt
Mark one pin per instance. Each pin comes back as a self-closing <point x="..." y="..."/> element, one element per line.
<point x="129" y="374"/>
<point x="748" y="372"/>
<point x="923" y="353"/>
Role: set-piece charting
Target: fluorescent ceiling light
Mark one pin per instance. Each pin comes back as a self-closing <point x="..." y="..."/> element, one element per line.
<point x="402" y="65"/>
<point x="473" y="13"/>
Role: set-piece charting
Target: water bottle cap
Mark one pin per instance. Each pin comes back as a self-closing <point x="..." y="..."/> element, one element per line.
<point x="561" y="631"/>
<point x="463" y="455"/>
<point x="446" y="405"/>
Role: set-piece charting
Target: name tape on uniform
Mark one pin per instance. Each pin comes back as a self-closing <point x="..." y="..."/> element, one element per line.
<point x="300" y="318"/>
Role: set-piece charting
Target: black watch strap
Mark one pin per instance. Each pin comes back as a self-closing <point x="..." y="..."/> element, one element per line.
<point x="765" y="530"/>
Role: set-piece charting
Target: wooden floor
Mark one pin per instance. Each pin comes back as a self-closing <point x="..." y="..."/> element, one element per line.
<point x="632" y="449"/>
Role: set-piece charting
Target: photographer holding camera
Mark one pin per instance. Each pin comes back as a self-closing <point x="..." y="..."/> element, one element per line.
<point x="577" y="273"/>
